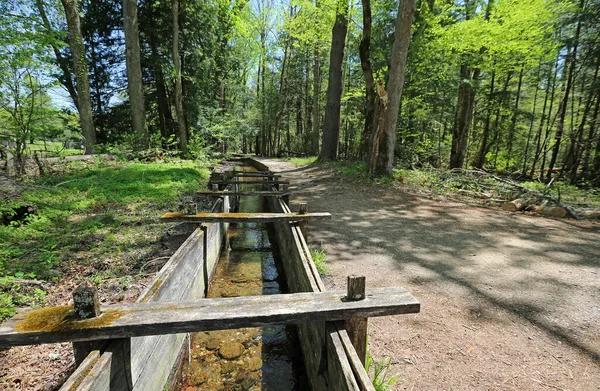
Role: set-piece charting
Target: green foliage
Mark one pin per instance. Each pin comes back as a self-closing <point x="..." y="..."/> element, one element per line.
<point x="319" y="257"/>
<point x="103" y="211"/>
<point x="303" y="161"/>
<point x="380" y="372"/>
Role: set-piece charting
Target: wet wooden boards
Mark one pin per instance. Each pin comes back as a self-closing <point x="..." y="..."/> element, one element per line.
<point x="257" y="193"/>
<point x="142" y="319"/>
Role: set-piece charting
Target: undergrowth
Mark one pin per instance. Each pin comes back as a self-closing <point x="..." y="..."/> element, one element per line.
<point x="320" y="259"/>
<point x="381" y="376"/>
<point x="101" y="217"/>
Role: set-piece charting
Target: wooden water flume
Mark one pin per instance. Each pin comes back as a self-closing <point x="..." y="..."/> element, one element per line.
<point x="134" y="346"/>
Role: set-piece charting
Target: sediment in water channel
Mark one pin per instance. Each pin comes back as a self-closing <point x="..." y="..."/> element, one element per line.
<point x="265" y="358"/>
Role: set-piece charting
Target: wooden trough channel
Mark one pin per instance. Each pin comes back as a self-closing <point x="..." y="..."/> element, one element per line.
<point x="139" y="346"/>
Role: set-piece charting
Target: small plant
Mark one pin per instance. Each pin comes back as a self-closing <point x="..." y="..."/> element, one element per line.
<point x="319" y="258"/>
<point x="382" y="379"/>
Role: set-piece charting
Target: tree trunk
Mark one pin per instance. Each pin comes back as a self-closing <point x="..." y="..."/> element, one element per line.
<point x="585" y="166"/>
<point x="529" y="134"/>
<point x="463" y="117"/>
<point x="181" y="127"/>
<point x="81" y="74"/>
<point x="331" y="123"/>
<point x="395" y="84"/>
<point x="63" y="63"/>
<point x="485" y="147"/>
<point x="515" y="114"/>
<point x="577" y="142"/>
<point x="134" y="73"/>
<point x="314" y="139"/>
<point x="562" y="112"/>
<point x="365" y="60"/>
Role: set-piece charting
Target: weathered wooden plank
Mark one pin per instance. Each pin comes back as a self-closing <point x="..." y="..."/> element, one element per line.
<point x="250" y="182"/>
<point x="81" y="372"/>
<point x="257" y="193"/>
<point x="242" y="217"/>
<point x="56" y="324"/>
<point x="252" y="174"/>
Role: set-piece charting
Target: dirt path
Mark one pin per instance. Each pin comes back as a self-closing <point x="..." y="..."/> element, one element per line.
<point x="509" y="301"/>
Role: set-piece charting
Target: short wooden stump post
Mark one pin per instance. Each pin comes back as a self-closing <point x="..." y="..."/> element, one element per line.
<point x="302" y="210"/>
<point x="286" y="196"/>
<point x="86" y="306"/>
<point x="357" y="327"/>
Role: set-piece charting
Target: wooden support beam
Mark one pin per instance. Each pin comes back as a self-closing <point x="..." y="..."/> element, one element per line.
<point x="357" y="327"/>
<point x="258" y="193"/>
<point x="252" y="182"/>
<point x="252" y="174"/>
<point x="243" y="217"/>
<point x="303" y="210"/>
<point x="50" y="325"/>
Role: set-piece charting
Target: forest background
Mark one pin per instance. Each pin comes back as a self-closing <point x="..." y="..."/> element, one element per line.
<point x="504" y="85"/>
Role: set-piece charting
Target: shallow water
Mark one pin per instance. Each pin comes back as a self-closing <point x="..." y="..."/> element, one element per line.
<point x="262" y="358"/>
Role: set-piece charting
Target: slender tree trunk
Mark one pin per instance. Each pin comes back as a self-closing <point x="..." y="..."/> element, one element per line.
<point x="395" y="84"/>
<point x="281" y="102"/>
<point x="331" y="123"/>
<point x="529" y="134"/>
<point x="364" y="51"/>
<point x="585" y="166"/>
<point x="134" y="73"/>
<point x="181" y="126"/>
<point x="484" y="147"/>
<point x="562" y="112"/>
<point x="463" y="117"/>
<point x="513" y="122"/>
<point x="63" y="63"/>
<point x="316" y="122"/>
<point x="81" y="74"/>
<point x="577" y="142"/>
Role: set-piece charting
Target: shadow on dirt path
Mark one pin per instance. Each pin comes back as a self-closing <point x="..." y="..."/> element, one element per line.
<point x="509" y="301"/>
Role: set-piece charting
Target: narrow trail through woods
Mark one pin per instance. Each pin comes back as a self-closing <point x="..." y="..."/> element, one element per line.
<point x="509" y="301"/>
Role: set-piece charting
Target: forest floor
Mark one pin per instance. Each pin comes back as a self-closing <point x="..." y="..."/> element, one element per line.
<point x="509" y="301"/>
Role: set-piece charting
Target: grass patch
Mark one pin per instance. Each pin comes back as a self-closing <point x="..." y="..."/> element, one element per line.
<point x="320" y="259"/>
<point x="302" y="161"/>
<point x="52" y="149"/>
<point x="442" y="182"/>
<point x="101" y="218"/>
<point x="380" y="372"/>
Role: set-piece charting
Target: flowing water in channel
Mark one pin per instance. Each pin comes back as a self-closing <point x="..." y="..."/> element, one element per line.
<point x="262" y="358"/>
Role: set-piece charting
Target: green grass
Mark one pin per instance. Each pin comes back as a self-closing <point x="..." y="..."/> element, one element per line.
<point x="302" y="161"/>
<point x="380" y="372"/>
<point x="320" y="258"/>
<point x="444" y="182"/>
<point x="102" y="218"/>
<point x="52" y="149"/>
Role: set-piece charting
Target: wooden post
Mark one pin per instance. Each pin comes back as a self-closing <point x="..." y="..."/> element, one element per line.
<point x="357" y="327"/>
<point x="302" y="210"/>
<point x="286" y="197"/>
<point x="86" y="306"/>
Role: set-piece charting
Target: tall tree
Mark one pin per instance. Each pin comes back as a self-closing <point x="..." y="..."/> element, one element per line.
<point x="331" y="123"/>
<point x="395" y="84"/>
<point x="134" y="73"/>
<point x="181" y="127"/>
<point x="81" y="74"/>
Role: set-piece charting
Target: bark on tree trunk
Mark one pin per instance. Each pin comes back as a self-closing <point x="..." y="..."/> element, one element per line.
<point x="513" y="123"/>
<point x="181" y="127"/>
<point x="331" y="123"/>
<point x="134" y="73"/>
<point x="563" y="105"/>
<point x="365" y="60"/>
<point x="314" y="139"/>
<point x="81" y="74"/>
<point x="395" y="84"/>
<point x="485" y="147"/>
<point x="62" y="62"/>
<point x="463" y="117"/>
